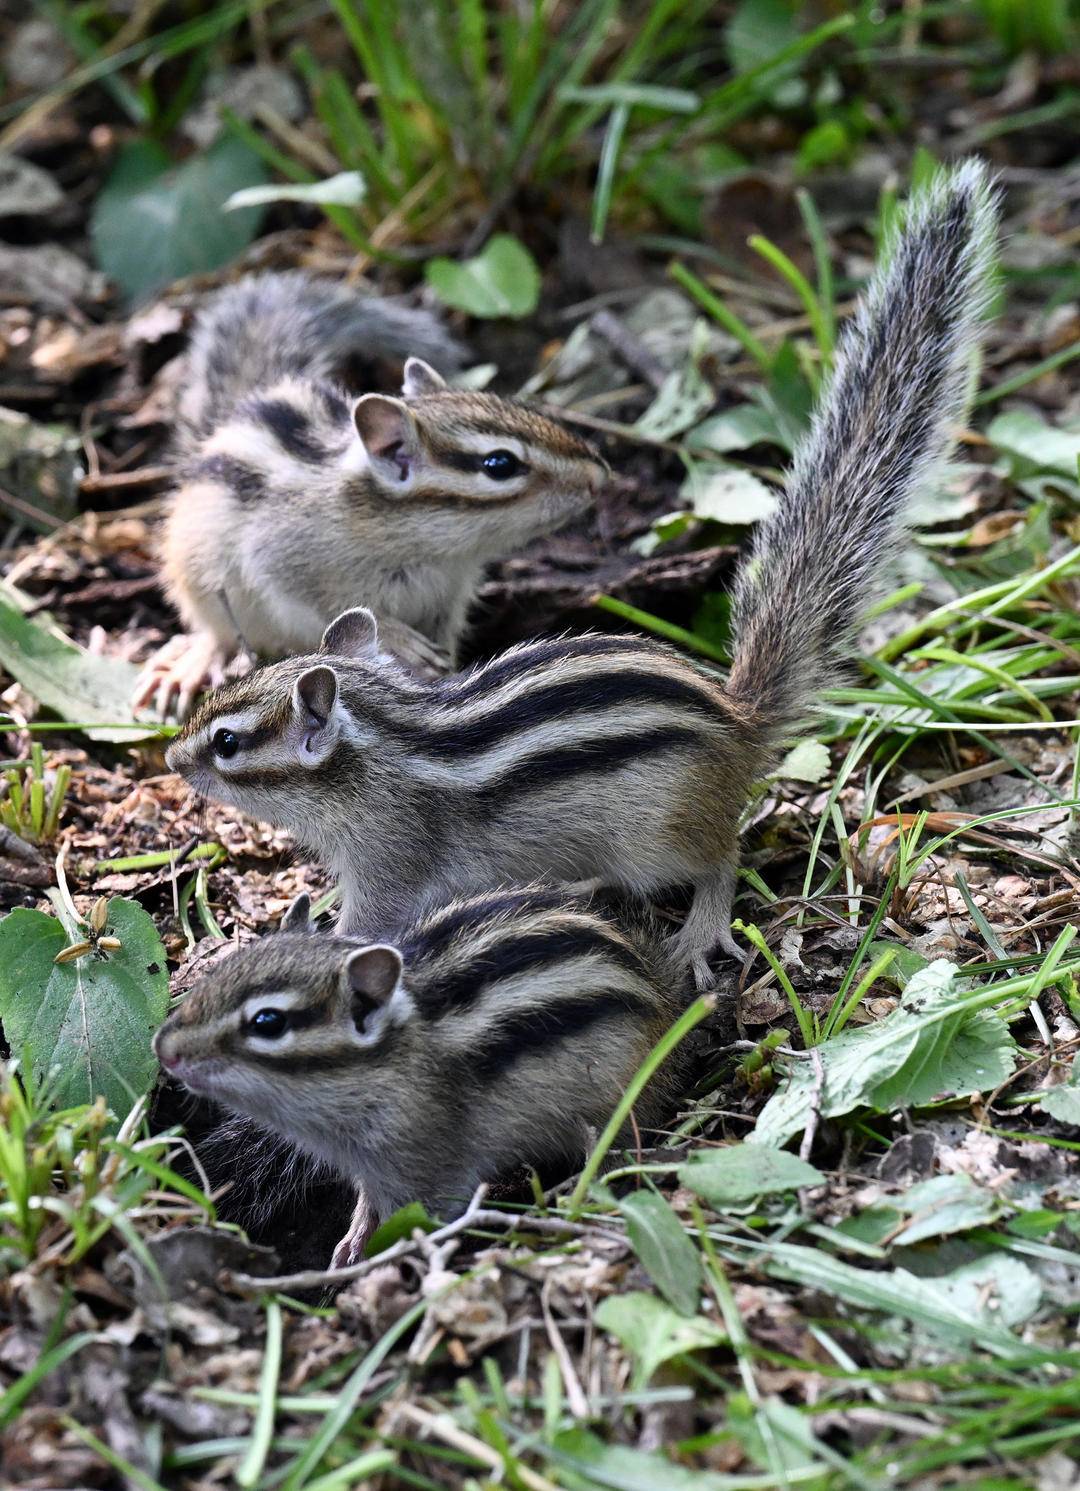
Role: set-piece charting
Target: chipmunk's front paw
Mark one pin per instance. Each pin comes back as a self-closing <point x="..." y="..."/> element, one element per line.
<point x="176" y="673"/>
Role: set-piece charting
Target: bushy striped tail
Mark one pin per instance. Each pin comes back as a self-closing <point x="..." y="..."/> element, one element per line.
<point x="273" y="326"/>
<point x="884" y="421"/>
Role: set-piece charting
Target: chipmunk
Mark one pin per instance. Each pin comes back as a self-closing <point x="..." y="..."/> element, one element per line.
<point x="497" y="1033"/>
<point x="295" y="501"/>
<point x="614" y="757"/>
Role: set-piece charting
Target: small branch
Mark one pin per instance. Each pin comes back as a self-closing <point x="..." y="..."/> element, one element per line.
<point x="608" y="427"/>
<point x="633" y="351"/>
<point x="126" y="481"/>
<point x="472" y="1217"/>
<point x="443" y="1427"/>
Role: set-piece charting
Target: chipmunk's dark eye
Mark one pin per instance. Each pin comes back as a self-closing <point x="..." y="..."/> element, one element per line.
<point x="501" y="465"/>
<point x="226" y="743"/>
<point x="270" y="1024"/>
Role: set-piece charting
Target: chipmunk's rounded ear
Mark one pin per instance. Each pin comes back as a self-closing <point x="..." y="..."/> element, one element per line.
<point x="315" y="694"/>
<point x="370" y="976"/>
<point x="354" y="633"/>
<point x="297" y="916"/>
<point x="390" y="437"/>
<point x="420" y="379"/>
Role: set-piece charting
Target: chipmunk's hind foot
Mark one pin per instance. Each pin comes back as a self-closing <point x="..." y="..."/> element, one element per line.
<point x="707" y="928"/>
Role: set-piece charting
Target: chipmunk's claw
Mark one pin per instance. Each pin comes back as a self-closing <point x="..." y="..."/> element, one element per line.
<point x="178" y="671"/>
<point x="350" y="1250"/>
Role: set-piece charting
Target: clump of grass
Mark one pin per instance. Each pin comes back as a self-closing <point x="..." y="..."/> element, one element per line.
<point x="28" y="808"/>
<point x="67" y="1176"/>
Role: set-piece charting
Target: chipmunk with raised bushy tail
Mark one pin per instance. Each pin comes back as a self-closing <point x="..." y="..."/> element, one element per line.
<point x="613" y="757"/>
<point x="295" y="501"/>
<point x="500" y="1032"/>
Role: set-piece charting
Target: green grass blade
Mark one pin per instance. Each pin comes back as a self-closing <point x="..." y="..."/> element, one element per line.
<point x="250" y="1470"/>
<point x="720" y="313"/>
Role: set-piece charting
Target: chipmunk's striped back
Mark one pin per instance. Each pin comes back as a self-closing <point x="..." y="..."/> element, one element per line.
<point x="579" y="757"/>
<point x="504" y="976"/>
<point x="539" y="715"/>
<point x="498" y="1033"/>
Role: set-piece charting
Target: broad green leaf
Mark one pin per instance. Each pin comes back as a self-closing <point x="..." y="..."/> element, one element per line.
<point x="501" y="281"/>
<point x="1031" y="444"/>
<point x="964" y="1053"/>
<point x="788" y="397"/>
<point x="154" y="222"/>
<point x="665" y="1251"/>
<point x="942" y="1205"/>
<point x="823" y="145"/>
<point x="809" y="761"/>
<point x="85" y="687"/>
<point x="921" y="1050"/>
<point x="346" y="189"/>
<point x="995" y="1290"/>
<point x="727" y="494"/>
<point x="740" y="1172"/>
<point x="652" y="1331"/>
<point x="90" y="1021"/>
<point x="757" y="30"/>
<point x="735" y="429"/>
<point x="621" y="1468"/>
<point x="1063" y="1102"/>
<point x="932" y="1303"/>
<point x="905" y="965"/>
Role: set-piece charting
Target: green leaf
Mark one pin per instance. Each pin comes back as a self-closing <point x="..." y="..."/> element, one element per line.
<point x="938" y="1305"/>
<point x="78" y="685"/>
<point x="788" y="397"/>
<point x="625" y="1469"/>
<point x="501" y="281"/>
<point x="757" y="30"/>
<point x="809" y="761"/>
<point x="1031" y="444"/>
<point x="1063" y="1102"/>
<point x="736" y="429"/>
<point x="945" y="1204"/>
<point x="90" y="1021"/>
<point x="727" y="494"/>
<point x="665" y="1251"/>
<point x="154" y="222"/>
<point x="401" y="1223"/>
<point x="740" y="1172"/>
<point x="346" y="189"/>
<point x="905" y="965"/>
<point x="652" y="1331"/>
<point x="993" y="1291"/>
<point x="824" y="145"/>
<point x="923" y="1049"/>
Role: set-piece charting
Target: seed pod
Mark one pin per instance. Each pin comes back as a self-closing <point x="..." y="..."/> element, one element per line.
<point x="110" y="944"/>
<point x="76" y="950"/>
<point x="99" y="914"/>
